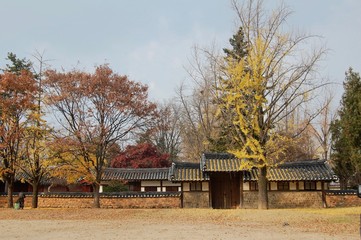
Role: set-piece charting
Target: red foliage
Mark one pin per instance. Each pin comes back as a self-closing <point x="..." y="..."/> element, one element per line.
<point x="143" y="155"/>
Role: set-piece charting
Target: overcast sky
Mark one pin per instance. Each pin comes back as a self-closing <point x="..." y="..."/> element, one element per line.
<point x="150" y="41"/>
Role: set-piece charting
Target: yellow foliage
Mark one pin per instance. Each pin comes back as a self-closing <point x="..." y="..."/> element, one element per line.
<point x="245" y="95"/>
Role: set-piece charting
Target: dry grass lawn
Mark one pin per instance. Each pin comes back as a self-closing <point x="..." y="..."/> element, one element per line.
<point x="31" y="224"/>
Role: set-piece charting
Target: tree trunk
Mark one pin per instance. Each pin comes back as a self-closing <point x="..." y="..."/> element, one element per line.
<point x="10" y="191"/>
<point x="34" y="203"/>
<point x="96" y="188"/>
<point x="262" y="188"/>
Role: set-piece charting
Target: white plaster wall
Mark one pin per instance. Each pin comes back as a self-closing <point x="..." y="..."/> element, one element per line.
<point x="274" y="186"/>
<point x="293" y="186"/>
<point x="301" y="185"/>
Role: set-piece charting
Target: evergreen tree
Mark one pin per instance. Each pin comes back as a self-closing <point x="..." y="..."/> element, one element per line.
<point x="346" y="131"/>
<point x="239" y="46"/>
<point x="16" y="64"/>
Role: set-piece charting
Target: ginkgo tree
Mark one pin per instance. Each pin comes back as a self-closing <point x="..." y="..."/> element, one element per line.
<point x="96" y="111"/>
<point x="36" y="159"/>
<point x="275" y="73"/>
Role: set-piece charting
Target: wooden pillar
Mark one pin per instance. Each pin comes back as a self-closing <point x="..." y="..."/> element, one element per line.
<point x="210" y="194"/>
<point x="182" y="195"/>
<point x="241" y="199"/>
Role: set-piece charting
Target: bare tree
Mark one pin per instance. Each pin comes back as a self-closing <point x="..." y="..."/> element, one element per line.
<point x="322" y="127"/>
<point x="199" y="118"/>
<point x="165" y="132"/>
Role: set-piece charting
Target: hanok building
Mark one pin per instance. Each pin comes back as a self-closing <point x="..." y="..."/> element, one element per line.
<point x="219" y="182"/>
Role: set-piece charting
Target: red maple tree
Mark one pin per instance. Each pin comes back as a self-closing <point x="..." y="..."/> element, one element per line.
<point x="143" y="155"/>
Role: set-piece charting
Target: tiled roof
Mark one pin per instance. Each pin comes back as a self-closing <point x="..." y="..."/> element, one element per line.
<point x="182" y="171"/>
<point x="110" y="195"/>
<point x="46" y="180"/>
<point x="220" y="162"/>
<point x="135" y="174"/>
<point x="313" y="170"/>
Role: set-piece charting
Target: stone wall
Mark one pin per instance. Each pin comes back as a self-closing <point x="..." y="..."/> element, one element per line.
<point x="196" y="200"/>
<point x="116" y="201"/>
<point x="342" y="199"/>
<point x="296" y="199"/>
<point x="291" y="199"/>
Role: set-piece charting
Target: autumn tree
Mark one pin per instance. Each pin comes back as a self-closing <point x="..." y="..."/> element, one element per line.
<point x="142" y="155"/>
<point x="276" y="73"/>
<point x="346" y="131"/>
<point x="36" y="163"/>
<point x="17" y="88"/>
<point x="96" y="110"/>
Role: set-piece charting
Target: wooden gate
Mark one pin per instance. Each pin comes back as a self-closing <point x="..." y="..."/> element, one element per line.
<point x="225" y="190"/>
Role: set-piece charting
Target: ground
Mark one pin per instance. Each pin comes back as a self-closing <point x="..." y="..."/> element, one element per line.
<point x="74" y="224"/>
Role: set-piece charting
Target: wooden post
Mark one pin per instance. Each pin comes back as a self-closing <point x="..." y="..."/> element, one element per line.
<point x="182" y="195"/>
<point x="210" y="192"/>
<point x="241" y="205"/>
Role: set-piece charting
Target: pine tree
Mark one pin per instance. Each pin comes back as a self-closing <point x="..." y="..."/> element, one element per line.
<point x="346" y="131"/>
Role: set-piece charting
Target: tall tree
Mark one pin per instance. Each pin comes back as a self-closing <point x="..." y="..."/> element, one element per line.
<point x="16" y="100"/>
<point x="346" y="131"/>
<point x="199" y="120"/>
<point x="276" y="73"/>
<point x="96" y="111"/>
<point x="36" y="163"/>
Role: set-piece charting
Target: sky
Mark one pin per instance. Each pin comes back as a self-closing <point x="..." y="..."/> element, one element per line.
<point x="151" y="41"/>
